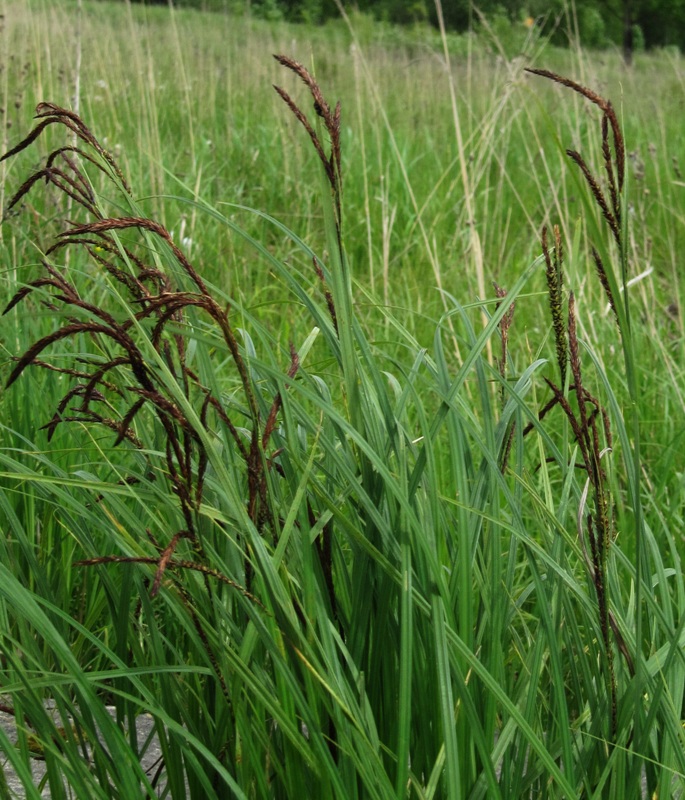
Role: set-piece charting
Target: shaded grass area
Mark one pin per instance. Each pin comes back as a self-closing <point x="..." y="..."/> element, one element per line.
<point x="350" y="542"/>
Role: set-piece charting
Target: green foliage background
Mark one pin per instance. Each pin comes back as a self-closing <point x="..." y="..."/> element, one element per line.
<point x="594" y="23"/>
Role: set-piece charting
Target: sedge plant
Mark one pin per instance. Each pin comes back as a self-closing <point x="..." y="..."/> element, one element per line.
<point x="327" y="567"/>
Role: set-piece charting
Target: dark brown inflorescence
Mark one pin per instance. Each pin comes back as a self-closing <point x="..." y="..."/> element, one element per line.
<point x="124" y="377"/>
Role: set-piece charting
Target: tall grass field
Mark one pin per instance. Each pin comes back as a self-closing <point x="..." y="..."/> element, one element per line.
<point x="342" y="422"/>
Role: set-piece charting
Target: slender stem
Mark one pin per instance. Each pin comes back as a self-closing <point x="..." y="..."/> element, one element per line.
<point x="641" y="559"/>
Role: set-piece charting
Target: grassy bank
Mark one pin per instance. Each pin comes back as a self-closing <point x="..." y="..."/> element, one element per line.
<point x="304" y="489"/>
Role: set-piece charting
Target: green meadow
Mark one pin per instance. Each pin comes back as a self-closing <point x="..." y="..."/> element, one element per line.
<point x="344" y="441"/>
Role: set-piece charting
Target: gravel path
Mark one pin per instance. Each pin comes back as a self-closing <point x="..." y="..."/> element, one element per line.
<point x="144" y="725"/>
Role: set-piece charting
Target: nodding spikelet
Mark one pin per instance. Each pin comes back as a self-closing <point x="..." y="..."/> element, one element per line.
<point x="574" y="352"/>
<point x="598" y="194"/>
<point x="102" y="226"/>
<point x="614" y="190"/>
<point x="604" y="280"/>
<point x="607" y="111"/>
<point x="614" y="167"/>
<point x="332" y="163"/>
<point x="555" y="282"/>
<point x="51" y="114"/>
<point x="574" y="360"/>
<point x="331" y="120"/>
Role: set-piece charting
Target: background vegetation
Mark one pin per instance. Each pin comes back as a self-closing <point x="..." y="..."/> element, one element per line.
<point x="383" y="588"/>
<point x="631" y="24"/>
